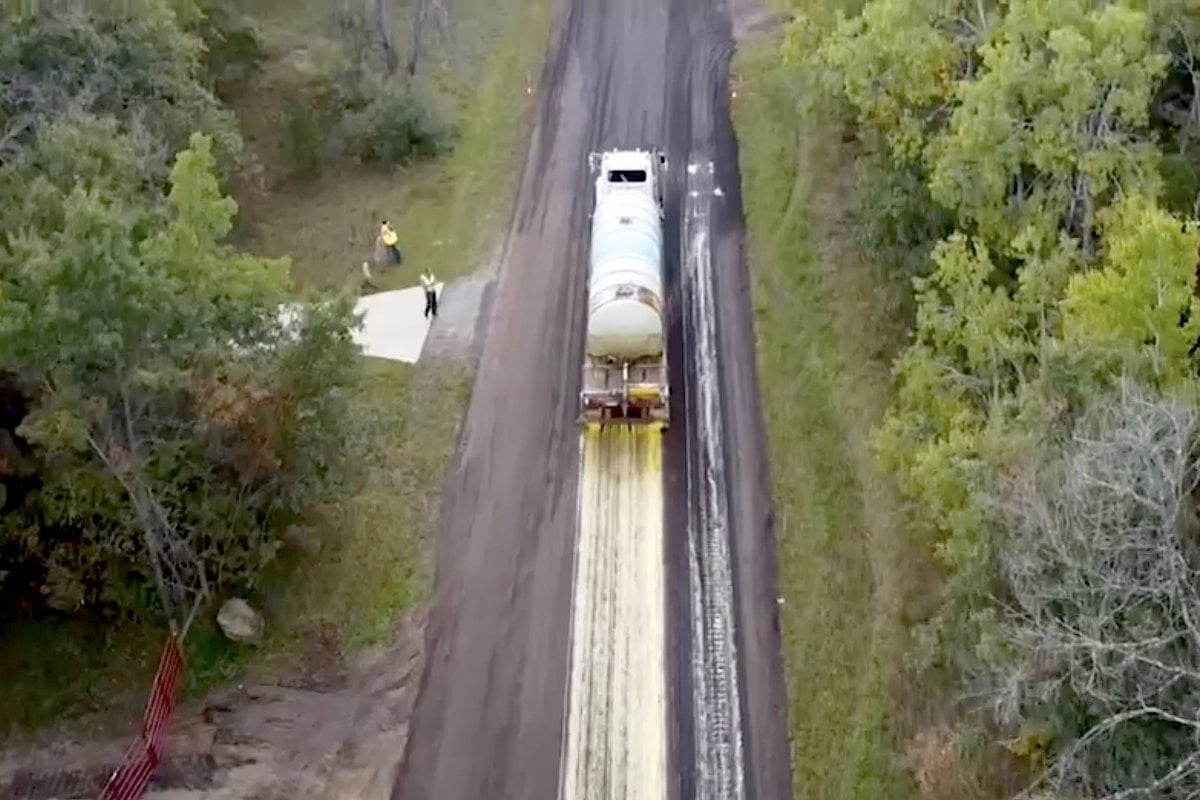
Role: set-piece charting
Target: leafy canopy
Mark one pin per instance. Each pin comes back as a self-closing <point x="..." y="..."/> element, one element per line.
<point x="174" y="424"/>
<point x="129" y="59"/>
<point x="1055" y="125"/>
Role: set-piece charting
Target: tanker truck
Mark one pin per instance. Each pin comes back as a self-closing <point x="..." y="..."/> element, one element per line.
<point x="625" y="355"/>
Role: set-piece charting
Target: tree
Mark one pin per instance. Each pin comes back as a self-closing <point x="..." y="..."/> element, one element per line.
<point x="1035" y="126"/>
<point x="898" y="62"/>
<point x="897" y="221"/>
<point x="1055" y="126"/>
<point x="961" y="385"/>
<point x="1139" y="308"/>
<point x="167" y="399"/>
<point x="1014" y="328"/>
<point x="84" y="151"/>
<point x="1175" y="112"/>
<point x="420" y="13"/>
<point x="1100" y="625"/>
<point x="130" y="60"/>
<point x="232" y="40"/>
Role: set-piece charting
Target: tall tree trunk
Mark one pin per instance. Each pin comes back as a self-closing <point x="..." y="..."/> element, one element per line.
<point x="383" y="20"/>
<point x="441" y="19"/>
<point x="420" y="11"/>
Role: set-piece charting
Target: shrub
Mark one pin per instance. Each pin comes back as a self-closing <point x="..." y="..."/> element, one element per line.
<point x="395" y="124"/>
<point x="304" y="139"/>
<point x="1181" y="182"/>
<point x="897" y="221"/>
<point x="957" y="763"/>
<point x="232" y="43"/>
<point x="347" y="110"/>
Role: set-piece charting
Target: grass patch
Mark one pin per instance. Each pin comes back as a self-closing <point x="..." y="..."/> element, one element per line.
<point x="852" y="569"/>
<point x="372" y="563"/>
<point x="71" y="668"/>
<point x="448" y="212"/>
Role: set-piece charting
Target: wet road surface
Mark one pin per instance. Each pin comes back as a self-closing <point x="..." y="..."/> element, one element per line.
<point x="615" y="743"/>
<point x="490" y="718"/>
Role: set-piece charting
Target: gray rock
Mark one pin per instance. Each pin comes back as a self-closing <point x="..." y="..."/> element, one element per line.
<point x="239" y="622"/>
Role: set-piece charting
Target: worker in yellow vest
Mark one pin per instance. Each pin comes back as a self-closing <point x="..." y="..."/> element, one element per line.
<point x="389" y="237"/>
<point x="429" y="284"/>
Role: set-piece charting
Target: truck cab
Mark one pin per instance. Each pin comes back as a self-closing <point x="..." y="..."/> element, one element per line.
<point x="629" y="171"/>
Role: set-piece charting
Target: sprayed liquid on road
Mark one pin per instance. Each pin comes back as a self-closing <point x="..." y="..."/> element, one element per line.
<point x="719" y="759"/>
<point x="615" y="743"/>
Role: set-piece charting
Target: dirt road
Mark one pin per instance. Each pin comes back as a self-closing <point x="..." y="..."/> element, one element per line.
<point x="489" y="721"/>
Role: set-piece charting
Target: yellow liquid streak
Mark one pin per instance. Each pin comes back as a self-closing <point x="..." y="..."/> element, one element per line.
<point x="616" y="740"/>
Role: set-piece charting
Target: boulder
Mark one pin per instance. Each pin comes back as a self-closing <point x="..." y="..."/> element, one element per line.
<point x="239" y="622"/>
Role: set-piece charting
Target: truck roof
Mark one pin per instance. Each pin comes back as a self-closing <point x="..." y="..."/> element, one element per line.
<point x="627" y="159"/>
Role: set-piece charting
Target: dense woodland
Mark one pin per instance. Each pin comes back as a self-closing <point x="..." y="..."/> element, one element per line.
<point x="1030" y="169"/>
<point x="160" y="429"/>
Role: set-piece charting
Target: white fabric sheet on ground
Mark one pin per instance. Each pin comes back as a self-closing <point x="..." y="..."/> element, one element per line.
<point x="394" y="326"/>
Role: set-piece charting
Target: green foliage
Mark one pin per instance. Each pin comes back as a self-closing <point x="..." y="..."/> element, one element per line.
<point x="1054" y="127"/>
<point x="304" y="139"/>
<point x="1028" y="165"/>
<point x="1175" y="112"/>
<point x="175" y="425"/>
<point x="1018" y="152"/>
<point x="394" y="125"/>
<point x="1024" y="124"/>
<point x="1138" y="311"/>
<point x="897" y="221"/>
<point x="897" y="63"/>
<point x="1181" y="182"/>
<point x="349" y="111"/>
<point x="233" y="45"/>
<point x="130" y="60"/>
<point x="960" y="387"/>
<point x="77" y="151"/>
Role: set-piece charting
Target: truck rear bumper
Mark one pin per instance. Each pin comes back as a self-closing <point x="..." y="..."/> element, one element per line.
<point x="624" y="394"/>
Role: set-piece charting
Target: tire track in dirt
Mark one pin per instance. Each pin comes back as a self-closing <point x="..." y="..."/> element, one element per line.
<point x="762" y="692"/>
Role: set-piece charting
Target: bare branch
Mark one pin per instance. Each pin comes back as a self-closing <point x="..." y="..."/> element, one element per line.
<point x="1102" y="575"/>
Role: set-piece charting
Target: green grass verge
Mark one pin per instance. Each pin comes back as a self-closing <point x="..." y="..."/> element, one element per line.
<point x="447" y="211"/>
<point x="373" y="562"/>
<point x="850" y="567"/>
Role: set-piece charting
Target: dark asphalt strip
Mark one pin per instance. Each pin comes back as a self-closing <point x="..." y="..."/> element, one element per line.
<point x="681" y="440"/>
<point x="701" y="130"/>
<point x="763" y="693"/>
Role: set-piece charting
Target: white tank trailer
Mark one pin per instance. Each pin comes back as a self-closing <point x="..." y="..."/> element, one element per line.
<point x="625" y="358"/>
